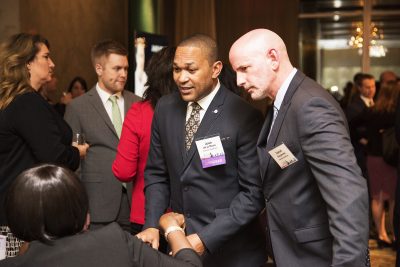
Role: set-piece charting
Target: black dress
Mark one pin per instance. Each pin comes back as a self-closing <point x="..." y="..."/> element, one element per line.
<point x="32" y="132"/>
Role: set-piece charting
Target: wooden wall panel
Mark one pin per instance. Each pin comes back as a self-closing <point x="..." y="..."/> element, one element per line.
<point x="72" y="28"/>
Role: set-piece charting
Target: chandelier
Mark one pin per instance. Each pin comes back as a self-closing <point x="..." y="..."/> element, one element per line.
<point x="376" y="49"/>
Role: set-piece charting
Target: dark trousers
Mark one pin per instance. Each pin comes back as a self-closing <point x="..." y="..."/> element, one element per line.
<point x="122" y="217"/>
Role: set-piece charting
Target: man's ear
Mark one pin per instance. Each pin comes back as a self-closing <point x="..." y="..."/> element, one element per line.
<point x="273" y="56"/>
<point x="98" y="68"/>
<point x="217" y="68"/>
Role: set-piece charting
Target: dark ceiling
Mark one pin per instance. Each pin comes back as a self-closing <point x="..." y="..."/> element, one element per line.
<point x="385" y="14"/>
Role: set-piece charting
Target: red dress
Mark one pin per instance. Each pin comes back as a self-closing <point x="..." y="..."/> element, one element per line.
<point x="132" y="152"/>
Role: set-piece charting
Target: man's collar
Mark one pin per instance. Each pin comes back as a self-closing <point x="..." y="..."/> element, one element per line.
<point x="206" y="101"/>
<point x="366" y="100"/>
<point x="104" y="95"/>
<point x="283" y="89"/>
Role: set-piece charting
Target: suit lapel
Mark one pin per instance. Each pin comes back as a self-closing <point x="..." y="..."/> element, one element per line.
<point x="95" y="101"/>
<point x="271" y="143"/>
<point x="212" y="113"/>
<point x="178" y="123"/>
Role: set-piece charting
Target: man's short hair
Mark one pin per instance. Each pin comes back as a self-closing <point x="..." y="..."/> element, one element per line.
<point x="362" y="77"/>
<point x="207" y="44"/>
<point x="105" y="48"/>
<point x="45" y="203"/>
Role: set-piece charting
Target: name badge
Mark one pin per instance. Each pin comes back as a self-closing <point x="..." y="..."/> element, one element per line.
<point x="282" y="155"/>
<point x="2" y="247"/>
<point x="211" y="151"/>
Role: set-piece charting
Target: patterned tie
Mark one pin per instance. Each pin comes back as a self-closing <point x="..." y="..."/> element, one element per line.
<point x="273" y="120"/>
<point x="192" y="124"/>
<point x="116" y="115"/>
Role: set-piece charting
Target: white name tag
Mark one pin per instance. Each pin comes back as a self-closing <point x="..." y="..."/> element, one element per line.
<point x="282" y="155"/>
<point x="2" y="247"/>
<point x="211" y="151"/>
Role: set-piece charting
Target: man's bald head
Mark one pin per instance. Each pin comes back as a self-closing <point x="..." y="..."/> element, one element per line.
<point x="259" y="41"/>
<point x="261" y="62"/>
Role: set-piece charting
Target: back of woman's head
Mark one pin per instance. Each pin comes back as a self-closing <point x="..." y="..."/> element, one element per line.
<point x="160" y="80"/>
<point x="387" y="97"/>
<point x="45" y="203"/>
<point x="15" y="53"/>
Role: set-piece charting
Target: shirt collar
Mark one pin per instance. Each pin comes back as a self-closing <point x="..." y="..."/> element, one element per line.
<point x="283" y="89"/>
<point x="366" y="100"/>
<point x="205" y="102"/>
<point x="105" y="95"/>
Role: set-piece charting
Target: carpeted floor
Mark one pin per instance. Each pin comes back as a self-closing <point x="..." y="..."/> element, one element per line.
<point x="381" y="257"/>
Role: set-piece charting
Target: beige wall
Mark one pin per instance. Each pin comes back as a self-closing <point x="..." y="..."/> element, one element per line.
<point x="9" y="18"/>
<point x="72" y="28"/>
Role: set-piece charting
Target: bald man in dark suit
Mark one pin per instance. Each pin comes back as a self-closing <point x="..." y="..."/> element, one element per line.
<point x="316" y="198"/>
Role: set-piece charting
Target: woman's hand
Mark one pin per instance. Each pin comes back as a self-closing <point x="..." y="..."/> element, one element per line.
<point x="82" y="148"/>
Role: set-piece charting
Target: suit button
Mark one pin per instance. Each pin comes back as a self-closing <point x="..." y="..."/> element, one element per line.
<point x="186" y="189"/>
<point x="266" y="200"/>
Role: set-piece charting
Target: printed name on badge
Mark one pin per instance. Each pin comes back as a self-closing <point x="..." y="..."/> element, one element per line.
<point x="283" y="156"/>
<point x="211" y="151"/>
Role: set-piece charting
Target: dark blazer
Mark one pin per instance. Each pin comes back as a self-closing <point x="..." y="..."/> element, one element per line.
<point x="87" y="114"/>
<point x="32" y="132"/>
<point x="220" y="203"/>
<point x="357" y="116"/>
<point x="317" y="208"/>
<point x="105" y="247"/>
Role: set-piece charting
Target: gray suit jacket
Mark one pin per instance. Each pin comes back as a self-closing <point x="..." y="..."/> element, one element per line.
<point x="220" y="203"/>
<point x="87" y="114"/>
<point x="317" y="208"/>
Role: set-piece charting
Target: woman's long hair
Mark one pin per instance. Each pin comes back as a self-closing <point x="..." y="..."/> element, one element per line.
<point x="387" y="98"/>
<point x="15" y="53"/>
<point x="160" y="79"/>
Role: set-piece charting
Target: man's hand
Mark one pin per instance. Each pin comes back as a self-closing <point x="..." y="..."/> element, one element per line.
<point x="150" y="236"/>
<point x="66" y="98"/>
<point x="171" y="219"/>
<point x="196" y="243"/>
<point x="363" y="141"/>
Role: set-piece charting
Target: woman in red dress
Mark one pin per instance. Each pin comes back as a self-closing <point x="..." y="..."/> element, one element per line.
<point x="134" y="144"/>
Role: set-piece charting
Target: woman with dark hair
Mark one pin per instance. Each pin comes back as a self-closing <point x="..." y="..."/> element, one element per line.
<point x="382" y="176"/>
<point x="53" y="217"/>
<point x="31" y="130"/>
<point x="77" y="87"/>
<point x="134" y="144"/>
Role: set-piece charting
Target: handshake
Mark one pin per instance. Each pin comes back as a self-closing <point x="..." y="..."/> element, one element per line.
<point x="172" y="224"/>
